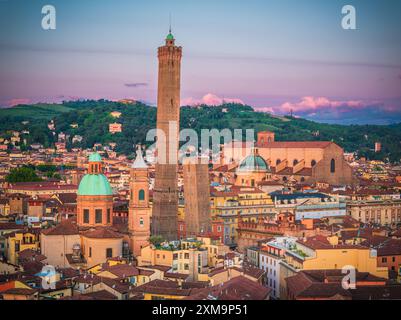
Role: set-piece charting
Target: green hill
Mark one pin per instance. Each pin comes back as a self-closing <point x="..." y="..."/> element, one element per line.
<point x="93" y="118"/>
<point x="37" y="111"/>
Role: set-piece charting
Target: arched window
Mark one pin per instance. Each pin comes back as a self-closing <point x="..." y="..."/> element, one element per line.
<point x="141" y="195"/>
<point x="284" y="179"/>
<point x="141" y="221"/>
<point x="278" y="161"/>
<point x="295" y="162"/>
<point x="332" y="166"/>
<point x="313" y="163"/>
<point x="302" y="179"/>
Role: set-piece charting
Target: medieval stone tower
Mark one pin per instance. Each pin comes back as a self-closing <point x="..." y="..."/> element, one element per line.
<point x="197" y="197"/>
<point x="139" y="209"/>
<point x="165" y="193"/>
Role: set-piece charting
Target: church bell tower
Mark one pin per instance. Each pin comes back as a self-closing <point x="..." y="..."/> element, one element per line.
<point x="139" y="209"/>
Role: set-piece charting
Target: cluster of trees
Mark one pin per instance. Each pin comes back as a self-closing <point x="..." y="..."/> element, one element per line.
<point x="30" y="173"/>
<point x="93" y="119"/>
<point x="49" y="170"/>
<point x="22" y="174"/>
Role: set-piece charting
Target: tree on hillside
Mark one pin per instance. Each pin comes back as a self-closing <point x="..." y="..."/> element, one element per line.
<point x="23" y="174"/>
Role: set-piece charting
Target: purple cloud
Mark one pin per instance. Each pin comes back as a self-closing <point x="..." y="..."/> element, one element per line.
<point x="326" y="109"/>
<point x="135" y="84"/>
<point x="209" y="99"/>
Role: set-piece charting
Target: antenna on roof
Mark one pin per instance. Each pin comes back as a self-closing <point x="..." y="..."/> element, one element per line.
<point x="169" y="30"/>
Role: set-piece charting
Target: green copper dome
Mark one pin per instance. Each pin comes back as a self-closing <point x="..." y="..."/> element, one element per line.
<point x="170" y="36"/>
<point x="94" y="185"/>
<point x="253" y="163"/>
<point x="95" y="157"/>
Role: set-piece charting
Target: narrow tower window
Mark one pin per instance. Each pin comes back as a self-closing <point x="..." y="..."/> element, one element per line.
<point x="332" y="166"/>
<point x="141" y="195"/>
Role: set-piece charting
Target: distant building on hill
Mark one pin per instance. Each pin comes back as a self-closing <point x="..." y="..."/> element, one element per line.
<point x="115" y="127"/>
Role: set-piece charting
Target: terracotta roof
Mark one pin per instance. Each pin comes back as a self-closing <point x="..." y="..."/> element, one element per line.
<point x="20" y="291"/>
<point x="325" y="283"/>
<point x="374" y="241"/>
<point x="238" y="288"/>
<point x="175" y="275"/>
<point x="158" y="267"/>
<point x="162" y="287"/>
<point x="32" y="267"/>
<point x="392" y="247"/>
<point x="388" y="292"/>
<point x="116" y="285"/>
<point x="66" y="227"/>
<point x="68" y="198"/>
<point x="42" y="185"/>
<point x="122" y="270"/>
<point x="296" y="144"/>
<point x="103" y="233"/>
<point x="32" y="255"/>
<point x="320" y="243"/>
<point x="194" y="284"/>
<point x="144" y="272"/>
<point x="253" y="271"/>
<point x="68" y="273"/>
<point x="217" y="271"/>
<point x="97" y="295"/>
<point x="301" y="286"/>
<point x="10" y="226"/>
<point x="88" y="279"/>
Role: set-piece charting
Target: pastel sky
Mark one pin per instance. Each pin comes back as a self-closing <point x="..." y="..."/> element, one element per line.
<point x="277" y="55"/>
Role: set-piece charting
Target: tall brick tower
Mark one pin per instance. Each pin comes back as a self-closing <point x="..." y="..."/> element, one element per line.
<point x="139" y="208"/>
<point x="165" y="193"/>
<point x="197" y="197"/>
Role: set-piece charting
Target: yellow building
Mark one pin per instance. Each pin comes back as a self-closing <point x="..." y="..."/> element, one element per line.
<point x="17" y="290"/>
<point x="19" y="241"/>
<point x="321" y="253"/>
<point x="191" y="256"/>
<point x="151" y="255"/>
<point x="228" y="202"/>
<point x="4" y="207"/>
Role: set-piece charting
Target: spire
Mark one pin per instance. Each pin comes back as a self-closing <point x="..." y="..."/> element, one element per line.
<point x="139" y="162"/>
<point x="169" y="29"/>
<point x="170" y="37"/>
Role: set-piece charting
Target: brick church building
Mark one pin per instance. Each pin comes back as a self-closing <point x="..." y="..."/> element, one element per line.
<point x="298" y="161"/>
